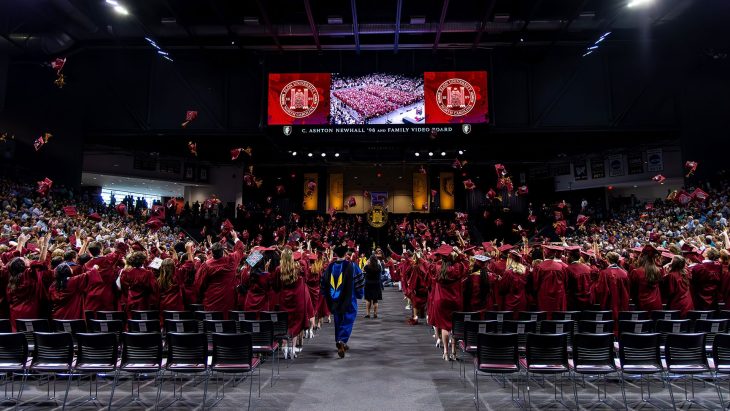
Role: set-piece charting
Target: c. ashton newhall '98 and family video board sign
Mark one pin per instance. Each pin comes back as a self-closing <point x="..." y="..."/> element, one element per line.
<point x="324" y="103"/>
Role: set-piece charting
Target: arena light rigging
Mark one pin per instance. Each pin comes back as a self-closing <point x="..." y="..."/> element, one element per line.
<point x="593" y="47"/>
<point x="639" y="3"/>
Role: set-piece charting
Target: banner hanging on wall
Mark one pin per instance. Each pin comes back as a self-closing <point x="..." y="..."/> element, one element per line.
<point x="336" y="192"/>
<point x="420" y="192"/>
<point x="311" y="190"/>
<point x="446" y="189"/>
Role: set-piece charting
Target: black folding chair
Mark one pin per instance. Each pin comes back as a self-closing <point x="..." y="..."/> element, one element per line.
<point x="633" y="315"/>
<point x="217" y="326"/>
<point x="181" y="326"/>
<point x="566" y="315"/>
<point x="233" y="354"/>
<point x="666" y="327"/>
<point x="536" y="316"/>
<point x="595" y="326"/>
<point x="635" y="326"/>
<point x="97" y="354"/>
<point x="187" y="354"/>
<point x="711" y="328"/>
<point x="547" y="354"/>
<point x="201" y="316"/>
<point x="53" y="356"/>
<point x="665" y="315"/>
<point x="640" y="356"/>
<point x="145" y="315"/>
<point x="111" y="315"/>
<point x="29" y="326"/>
<point x="566" y="327"/>
<point x="141" y="355"/>
<point x="177" y="315"/>
<point x="106" y="326"/>
<point x="497" y="354"/>
<point x="144" y="326"/>
<point x="13" y="360"/>
<point x="239" y="316"/>
<point x="593" y="355"/>
<point x="721" y="362"/>
<point x="262" y="335"/>
<point x="686" y="357"/>
<point x="521" y="328"/>
<point x="468" y="345"/>
<point x="281" y="328"/>
<point x="5" y="326"/>
<point x="498" y="316"/>
<point x="72" y="327"/>
<point x="591" y="315"/>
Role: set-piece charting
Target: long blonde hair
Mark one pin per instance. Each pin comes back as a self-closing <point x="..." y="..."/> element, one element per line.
<point x="515" y="265"/>
<point x="317" y="266"/>
<point x="288" y="268"/>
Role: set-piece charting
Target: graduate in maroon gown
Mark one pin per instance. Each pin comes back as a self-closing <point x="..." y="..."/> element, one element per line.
<point x="611" y="290"/>
<point x="24" y="290"/>
<point x="723" y="293"/>
<point x="312" y="278"/>
<point x="549" y="279"/>
<point x="170" y="285"/>
<point x="514" y="284"/>
<point x="101" y="296"/>
<point x="417" y="276"/>
<point x="645" y="280"/>
<point x="216" y="280"/>
<point x="293" y="298"/>
<point x="138" y="285"/>
<point x="706" y="280"/>
<point x="446" y="275"/>
<point x="579" y="281"/>
<point x="259" y="283"/>
<point x="498" y="265"/>
<point x="677" y="286"/>
<point x="67" y="292"/>
<point x="478" y="286"/>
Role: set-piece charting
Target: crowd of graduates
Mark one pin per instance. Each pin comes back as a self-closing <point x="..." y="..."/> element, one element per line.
<point x="64" y="256"/>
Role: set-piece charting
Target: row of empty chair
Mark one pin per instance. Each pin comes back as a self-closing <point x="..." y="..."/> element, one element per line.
<point x="682" y="356"/>
<point x="89" y="354"/>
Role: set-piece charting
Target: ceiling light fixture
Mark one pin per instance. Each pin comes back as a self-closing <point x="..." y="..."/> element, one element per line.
<point x="324" y="154"/>
<point x="417" y="154"/>
<point x="639" y="3"/>
<point x="461" y="152"/>
<point x="309" y="154"/>
<point x="430" y="153"/>
<point x="337" y="154"/>
<point x="443" y="153"/>
<point x="294" y="153"/>
<point x="121" y="10"/>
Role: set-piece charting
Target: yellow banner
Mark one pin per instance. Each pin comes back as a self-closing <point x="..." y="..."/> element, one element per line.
<point x="310" y="192"/>
<point x="336" y="192"/>
<point x="420" y="192"/>
<point x="446" y="189"/>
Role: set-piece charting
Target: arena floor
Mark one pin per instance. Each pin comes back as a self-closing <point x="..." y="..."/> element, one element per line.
<point x="390" y="366"/>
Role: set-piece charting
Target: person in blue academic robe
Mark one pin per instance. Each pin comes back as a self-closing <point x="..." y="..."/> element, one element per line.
<point x="342" y="285"/>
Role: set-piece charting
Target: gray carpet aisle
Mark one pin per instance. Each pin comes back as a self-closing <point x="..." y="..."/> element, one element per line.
<point x="390" y="366"/>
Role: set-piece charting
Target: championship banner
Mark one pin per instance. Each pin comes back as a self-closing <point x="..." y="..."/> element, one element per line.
<point x="655" y="160"/>
<point x="446" y="190"/>
<point x="298" y="98"/>
<point x="420" y="192"/>
<point x="615" y="165"/>
<point x="310" y="192"/>
<point x="455" y="97"/>
<point x="336" y="192"/>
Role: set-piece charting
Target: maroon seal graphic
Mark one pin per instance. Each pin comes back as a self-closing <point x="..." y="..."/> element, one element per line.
<point x="299" y="99"/>
<point x="456" y="97"/>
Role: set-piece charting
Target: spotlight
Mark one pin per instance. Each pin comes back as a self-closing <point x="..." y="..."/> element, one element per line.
<point x="309" y="154"/>
<point x="337" y="154"/>
<point x="639" y="3"/>
<point x="294" y="153"/>
<point x="324" y="154"/>
<point x="121" y="10"/>
<point x="461" y="152"/>
<point x="417" y="154"/>
<point x="443" y="154"/>
<point x="430" y="153"/>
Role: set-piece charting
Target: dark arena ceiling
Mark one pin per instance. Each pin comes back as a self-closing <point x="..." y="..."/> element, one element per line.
<point x="60" y="26"/>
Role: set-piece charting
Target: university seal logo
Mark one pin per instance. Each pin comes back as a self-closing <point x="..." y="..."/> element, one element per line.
<point x="299" y="99"/>
<point x="456" y="97"/>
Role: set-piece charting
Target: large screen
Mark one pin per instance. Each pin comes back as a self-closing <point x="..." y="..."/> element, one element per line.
<point x="455" y="97"/>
